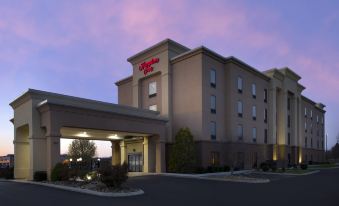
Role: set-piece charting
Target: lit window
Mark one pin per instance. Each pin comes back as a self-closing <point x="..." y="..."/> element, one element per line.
<point x="254" y="134"/>
<point x="265" y="95"/>
<point x="213" y="104"/>
<point x="254" y="112"/>
<point x="152" y="89"/>
<point x="239" y="108"/>
<point x="213" y="130"/>
<point x="213" y="78"/>
<point x="240" y="132"/>
<point x="254" y="92"/>
<point x="153" y="107"/>
<point x="239" y="84"/>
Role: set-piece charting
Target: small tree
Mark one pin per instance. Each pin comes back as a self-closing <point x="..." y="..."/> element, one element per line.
<point x="81" y="148"/>
<point x="182" y="155"/>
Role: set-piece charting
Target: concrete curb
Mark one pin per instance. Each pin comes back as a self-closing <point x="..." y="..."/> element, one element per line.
<point x="205" y="174"/>
<point x="288" y="174"/>
<point x="325" y="168"/>
<point x="252" y="181"/>
<point x="84" y="191"/>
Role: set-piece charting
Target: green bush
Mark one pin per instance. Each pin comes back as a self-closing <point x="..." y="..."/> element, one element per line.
<point x="7" y="173"/>
<point x="303" y="166"/>
<point x="264" y="166"/>
<point x="60" y="172"/>
<point x="40" y="176"/>
<point x="227" y="168"/>
<point x="114" y="176"/>
<point x="182" y="156"/>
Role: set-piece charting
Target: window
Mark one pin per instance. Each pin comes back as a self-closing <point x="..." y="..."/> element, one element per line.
<point x="213" y="78"/>
<point x="265" y="115"/>
<point x="322" y="120"/>
<point x="239" y="84"/>
<point x="289" y="138"/>
<point x="288" y="104"/>
<point x="213" y="104"/>
<point x="311" y="142"/>
<point x="213" y="130"/>
<point x="254" y="112"/>
<point x="240" y="132"/>
<point x="265" y="95"/>
<point x="311" y="114"/>
<point x="288" y="121"/>
<point x="254" y="92"/>
<point x="239" y="108"/>
<point x="311" y="128"/>
<point x="305" y="141"/>
<point x="153" y="107"/>
<point x="305" y="126"/>
<point x="305" y="112"/>
<point x="318" y="144"/>
<point x="215" y="159"/>
<point x="265" y="137"/>
<point x="254" y="134"/>
<point x="317" y="119"/>
<point x="152" y="89"/>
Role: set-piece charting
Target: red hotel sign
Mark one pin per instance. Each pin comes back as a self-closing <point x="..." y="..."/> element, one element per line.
<point x="147" y="66"/>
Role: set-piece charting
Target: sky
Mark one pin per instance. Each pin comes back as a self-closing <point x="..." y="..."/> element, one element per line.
<point x="80" y="48"/>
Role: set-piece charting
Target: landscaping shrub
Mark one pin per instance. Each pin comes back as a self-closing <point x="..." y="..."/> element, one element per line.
<point x="264" y="166"/>
<point x="40" y="176"/>
<point x="7" y="173"/>
<point x="274" y="166"/>
<point x="303" y="166"/>
<point x="60" y="172"/>
<point x="182" y="155"/>
<point x="227" y="168"/>
<point x="114" y="176"/>
<point x="200" y="170"/>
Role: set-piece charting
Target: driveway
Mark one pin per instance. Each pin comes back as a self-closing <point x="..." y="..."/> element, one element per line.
<point x="317" y="189"/>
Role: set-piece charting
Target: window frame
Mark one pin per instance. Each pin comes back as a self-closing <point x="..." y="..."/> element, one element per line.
<point x="240" y="84"/>
<point x="213" y="104"/>
<point x="240" y="107"/>
<point x="213" y="130"/>
<point x="254" y="90"/>
<point x="213" y="80"/>
<point x="152" y="93"/>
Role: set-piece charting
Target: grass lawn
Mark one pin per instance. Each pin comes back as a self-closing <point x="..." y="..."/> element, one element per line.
<point x="323" y="166"/>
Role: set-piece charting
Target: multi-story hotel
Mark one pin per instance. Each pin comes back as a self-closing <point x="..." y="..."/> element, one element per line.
<point x="238" y="115"/>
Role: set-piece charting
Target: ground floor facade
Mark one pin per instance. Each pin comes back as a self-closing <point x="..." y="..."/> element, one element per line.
<point x="138" y="137"/>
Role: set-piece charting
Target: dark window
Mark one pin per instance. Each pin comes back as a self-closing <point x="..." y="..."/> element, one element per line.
<point x="288" y="104"/>
<point x="239" y="82"/>
<point x="265" y="95"/>
<point x="213" y="78"/>
<point x="213" y="104"/>
<point x="265" y="115"/>
<point x="240" y="108"/>
<point x="306" y="142"/>
<point x="289" y="138"/>
<point x="213" y="130"/>
<point x="265" y="139"/>
<point x="288" y="121"/>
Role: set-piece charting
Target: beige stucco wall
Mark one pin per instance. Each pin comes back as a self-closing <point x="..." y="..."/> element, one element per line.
<point x="125" y="93"/>
<point x="187" y="96"/>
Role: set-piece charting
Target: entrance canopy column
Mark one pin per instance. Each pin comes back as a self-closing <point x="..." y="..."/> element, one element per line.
<point x="53" y="152"/>
<point x="123" y="154"/>
<point x="115" y="153"/>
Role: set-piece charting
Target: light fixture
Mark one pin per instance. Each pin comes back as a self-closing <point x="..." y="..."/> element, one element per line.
<point x="82" y="134"/>
<point x="79" y="159"/>
<point x="71" y="160"/>
<point x="115" y="136"/>
<point x="98" y="159"/>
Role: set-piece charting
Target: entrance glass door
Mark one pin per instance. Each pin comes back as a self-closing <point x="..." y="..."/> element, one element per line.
<point x="135" y="162"/>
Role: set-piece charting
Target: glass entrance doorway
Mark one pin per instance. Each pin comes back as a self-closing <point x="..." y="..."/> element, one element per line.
<point x="135" y="162"/>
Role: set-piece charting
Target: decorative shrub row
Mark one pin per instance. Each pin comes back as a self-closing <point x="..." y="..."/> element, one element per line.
<point x="40" y="176"/>
<point x="212" y="169"/>
<point x="114" y="176"/>
<point x="269" y="164"/>
<point x="7" y="173"/>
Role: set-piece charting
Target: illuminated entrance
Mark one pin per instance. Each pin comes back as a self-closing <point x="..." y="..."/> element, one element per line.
<point x="41" y="118"/>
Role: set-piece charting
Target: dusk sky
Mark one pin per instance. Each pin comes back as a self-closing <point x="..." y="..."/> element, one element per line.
<point x="80" y="48"/>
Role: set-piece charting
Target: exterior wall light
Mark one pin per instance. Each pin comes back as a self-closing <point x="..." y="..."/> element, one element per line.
<point x="115" y="136"/>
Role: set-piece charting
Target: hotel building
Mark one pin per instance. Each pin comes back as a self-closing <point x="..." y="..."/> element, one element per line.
<point x="238" y="115"/>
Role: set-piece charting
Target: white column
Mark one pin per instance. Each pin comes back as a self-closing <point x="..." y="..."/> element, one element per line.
<point x="160" y="156"/>
<point x="53" y="152"/>
<point x="146" y="154"/>
<point x="123" y="151"/>
<point x="115" y="153"/>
